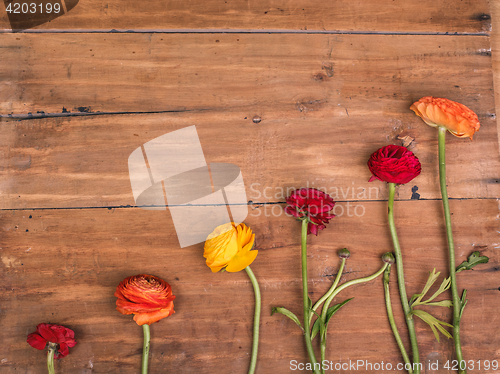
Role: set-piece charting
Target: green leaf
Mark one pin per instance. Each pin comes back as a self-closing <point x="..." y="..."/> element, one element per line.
<point x="287" y="313"/>
<point x="319" y="326"/>
<point x="315" y="328"/>
<point x="463" y="303"/>
<point x="417" y="298"/>
<point x="434" y="323"/>
<point x="445" y="285"/>
<point x="446" y="303"/>
<point x="474" y="259"/>
<point x="332" y="310"/>
<point x="433" y="276"/>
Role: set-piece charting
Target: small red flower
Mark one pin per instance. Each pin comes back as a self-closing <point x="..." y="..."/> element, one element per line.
<point x="394" y="164"/>
<point x="47" y="333"/>
<point x="311" y="204"/>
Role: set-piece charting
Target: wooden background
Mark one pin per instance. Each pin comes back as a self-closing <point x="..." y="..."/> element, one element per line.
<point x="296" y="93"/>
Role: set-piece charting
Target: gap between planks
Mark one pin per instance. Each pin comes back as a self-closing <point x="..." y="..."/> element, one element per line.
<point x="43" y="115"/>
<point x="250" y="203"/>
<point x="241" y="31"/>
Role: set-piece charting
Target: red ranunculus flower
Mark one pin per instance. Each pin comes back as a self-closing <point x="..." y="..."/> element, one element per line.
<point x="148" y="297"/>
<point x="312" y="204"/>
<point x="57" y="334"/>
<point x="394" y="164"/>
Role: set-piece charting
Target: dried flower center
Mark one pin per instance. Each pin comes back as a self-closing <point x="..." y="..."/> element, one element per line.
<point x="150" y="283"/>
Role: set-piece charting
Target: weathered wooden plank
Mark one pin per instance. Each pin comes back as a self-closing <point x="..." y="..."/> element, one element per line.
<point x="495" y="49"/>
<point x="62" y="266"/>
<point x="368" y="15"/>
<point x="365" y="74"/>
<point x="310" y="109"/>
<point x="83" y="161"/>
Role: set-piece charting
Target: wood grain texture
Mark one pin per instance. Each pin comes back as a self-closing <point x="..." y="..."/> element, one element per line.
<point x="367" y="74"/>
<point x="369" y="15"/>
<point x="495" y="51"/>
<point x="322" y="103"/>
<point x="83" y="161"/>
<point x="62" y="266"/>
<point x="326" y="101"/>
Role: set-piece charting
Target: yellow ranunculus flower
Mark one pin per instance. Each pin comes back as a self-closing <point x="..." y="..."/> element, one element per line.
<point x="230" y="246"/>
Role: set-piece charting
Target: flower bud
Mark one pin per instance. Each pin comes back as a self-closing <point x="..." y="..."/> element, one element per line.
<point x="388" y="258"/>
<point x="344" y="253"/>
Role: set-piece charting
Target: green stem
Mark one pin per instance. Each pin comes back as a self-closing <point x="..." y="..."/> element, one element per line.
<point x="320" y="301"/>
<point x="145" y="349"/>
<point x="401" y="282"/>
<point x="330" y="295"/>
<point x="256" y="320"/>
<point x="394" y="328"/>
<point x="307" y="311"/>
<point x="348" y="284"/>
<point x="330" y="291"/>
<point x="323" y="351"/>
<point x="457" y="304"/>
<point x="335" y="293"/>
<point x="50" y="360"/>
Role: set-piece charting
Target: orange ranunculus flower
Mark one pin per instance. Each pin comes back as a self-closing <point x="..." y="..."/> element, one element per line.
<point x="229" y="247"/>
<point x="148" y="297"/>
<point x="455" y="117"/>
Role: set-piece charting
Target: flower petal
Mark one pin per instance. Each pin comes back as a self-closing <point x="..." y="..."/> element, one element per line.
<point x="312" y="229"/>
<point x="62" y="351"/>
<point x="314" y="203"/>
<point x="244" y="235"/>
<point x="44" y="329"/>
<point x="153" y="316"/>
<point x="455" y="117"/>
<point x="144" y="295"/>
<point x="292" y="211"/>
<point x="221" y="246"/>
<point x="394" y="164"/>
<point x="239" y="262"/>
<point x="36" y="341"/>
